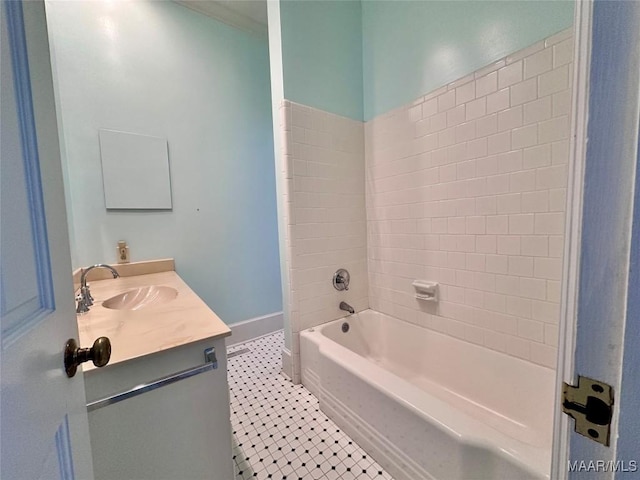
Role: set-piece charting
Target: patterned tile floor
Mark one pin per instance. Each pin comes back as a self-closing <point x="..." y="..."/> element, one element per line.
<point x="279" y="431"/>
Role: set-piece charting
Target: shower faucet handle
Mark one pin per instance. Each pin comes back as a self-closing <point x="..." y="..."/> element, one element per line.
<point x="341" y="280"/>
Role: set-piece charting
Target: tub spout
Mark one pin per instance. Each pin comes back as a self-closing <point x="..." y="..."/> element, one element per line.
<point x="347" y="308"/>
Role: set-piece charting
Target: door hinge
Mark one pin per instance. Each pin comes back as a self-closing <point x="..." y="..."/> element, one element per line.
<point x="590" y="404"/>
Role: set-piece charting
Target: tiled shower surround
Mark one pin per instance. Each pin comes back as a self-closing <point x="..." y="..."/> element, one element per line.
<point x="465" y="186"/>
<point x="324" y="172"/>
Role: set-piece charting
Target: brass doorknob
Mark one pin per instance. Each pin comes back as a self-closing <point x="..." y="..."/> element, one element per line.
<point x="99" y="354"/>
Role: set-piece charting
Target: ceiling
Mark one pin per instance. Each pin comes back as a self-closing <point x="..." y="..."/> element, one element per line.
<point x="248" y="15"/>
<point x="255" y="9"/>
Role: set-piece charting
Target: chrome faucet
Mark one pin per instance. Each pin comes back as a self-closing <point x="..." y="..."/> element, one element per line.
<point x="84" y="298"/>
<point x="347" y="308"/>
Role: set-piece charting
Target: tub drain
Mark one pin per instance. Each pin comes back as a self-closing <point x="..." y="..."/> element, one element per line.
<point x="345" y="327"/>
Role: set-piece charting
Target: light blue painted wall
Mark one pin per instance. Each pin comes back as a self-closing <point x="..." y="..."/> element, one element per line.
<point x="413" y="47"/>
<point x="160" y="69"/>
<point x="360" y="59"/>
<point x="322" y="54"/>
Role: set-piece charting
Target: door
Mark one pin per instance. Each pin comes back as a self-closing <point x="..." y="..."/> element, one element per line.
<point x="601" y="302"/>
<point x="44" y="428"/>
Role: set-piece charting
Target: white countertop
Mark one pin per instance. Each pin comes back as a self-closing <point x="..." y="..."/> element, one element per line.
<point x="136" y="333"/>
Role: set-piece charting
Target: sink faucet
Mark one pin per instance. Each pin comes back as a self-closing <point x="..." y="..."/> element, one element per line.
<point x="84" y="298"/>
<point x="347" y="308"/>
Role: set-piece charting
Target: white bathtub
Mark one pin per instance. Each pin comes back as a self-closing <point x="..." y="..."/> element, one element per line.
<point x="426" y="405"/>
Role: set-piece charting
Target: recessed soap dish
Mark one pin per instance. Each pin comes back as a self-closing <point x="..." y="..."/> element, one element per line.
<point x="425" y="290"/>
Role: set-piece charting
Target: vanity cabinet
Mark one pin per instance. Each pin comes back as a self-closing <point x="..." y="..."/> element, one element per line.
<point x="178" y="427"/>
<point x="177" y="431"/>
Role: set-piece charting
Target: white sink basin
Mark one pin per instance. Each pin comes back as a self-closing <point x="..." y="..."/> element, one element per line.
<point x="141" y="297"/>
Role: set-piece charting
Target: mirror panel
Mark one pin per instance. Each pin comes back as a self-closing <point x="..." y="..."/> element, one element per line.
<point x="135" y="171"/>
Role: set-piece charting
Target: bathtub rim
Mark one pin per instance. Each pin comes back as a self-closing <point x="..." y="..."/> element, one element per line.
<point x="527" y="370"/>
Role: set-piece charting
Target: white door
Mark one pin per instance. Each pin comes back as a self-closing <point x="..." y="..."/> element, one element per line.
<point x="44" y="429"/>
<point x="602" y="292"/>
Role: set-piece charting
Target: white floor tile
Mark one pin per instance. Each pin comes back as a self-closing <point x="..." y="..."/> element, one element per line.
<point x="279" y="431"/>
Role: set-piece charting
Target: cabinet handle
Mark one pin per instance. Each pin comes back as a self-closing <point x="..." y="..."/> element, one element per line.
<point x="211" y="364"/>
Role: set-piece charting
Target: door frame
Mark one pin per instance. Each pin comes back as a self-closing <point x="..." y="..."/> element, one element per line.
<point x="573" y="228"/>
<point x="599" y="226"/>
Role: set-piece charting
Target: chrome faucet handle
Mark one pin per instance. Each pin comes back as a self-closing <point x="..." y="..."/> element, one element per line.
<point x="81" y="306"/>
<point x="341" y="280"/>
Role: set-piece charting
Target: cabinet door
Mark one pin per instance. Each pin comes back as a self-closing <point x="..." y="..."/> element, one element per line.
<point x="181" y="430"/>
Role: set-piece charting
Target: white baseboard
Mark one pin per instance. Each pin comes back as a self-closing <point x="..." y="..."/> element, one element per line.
<point x="255" y="327"/>
<point x="287" y="366"/>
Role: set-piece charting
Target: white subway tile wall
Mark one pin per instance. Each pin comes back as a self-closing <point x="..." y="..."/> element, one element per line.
<point x="324" y="170"/>
<point x="467" y="187"/>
